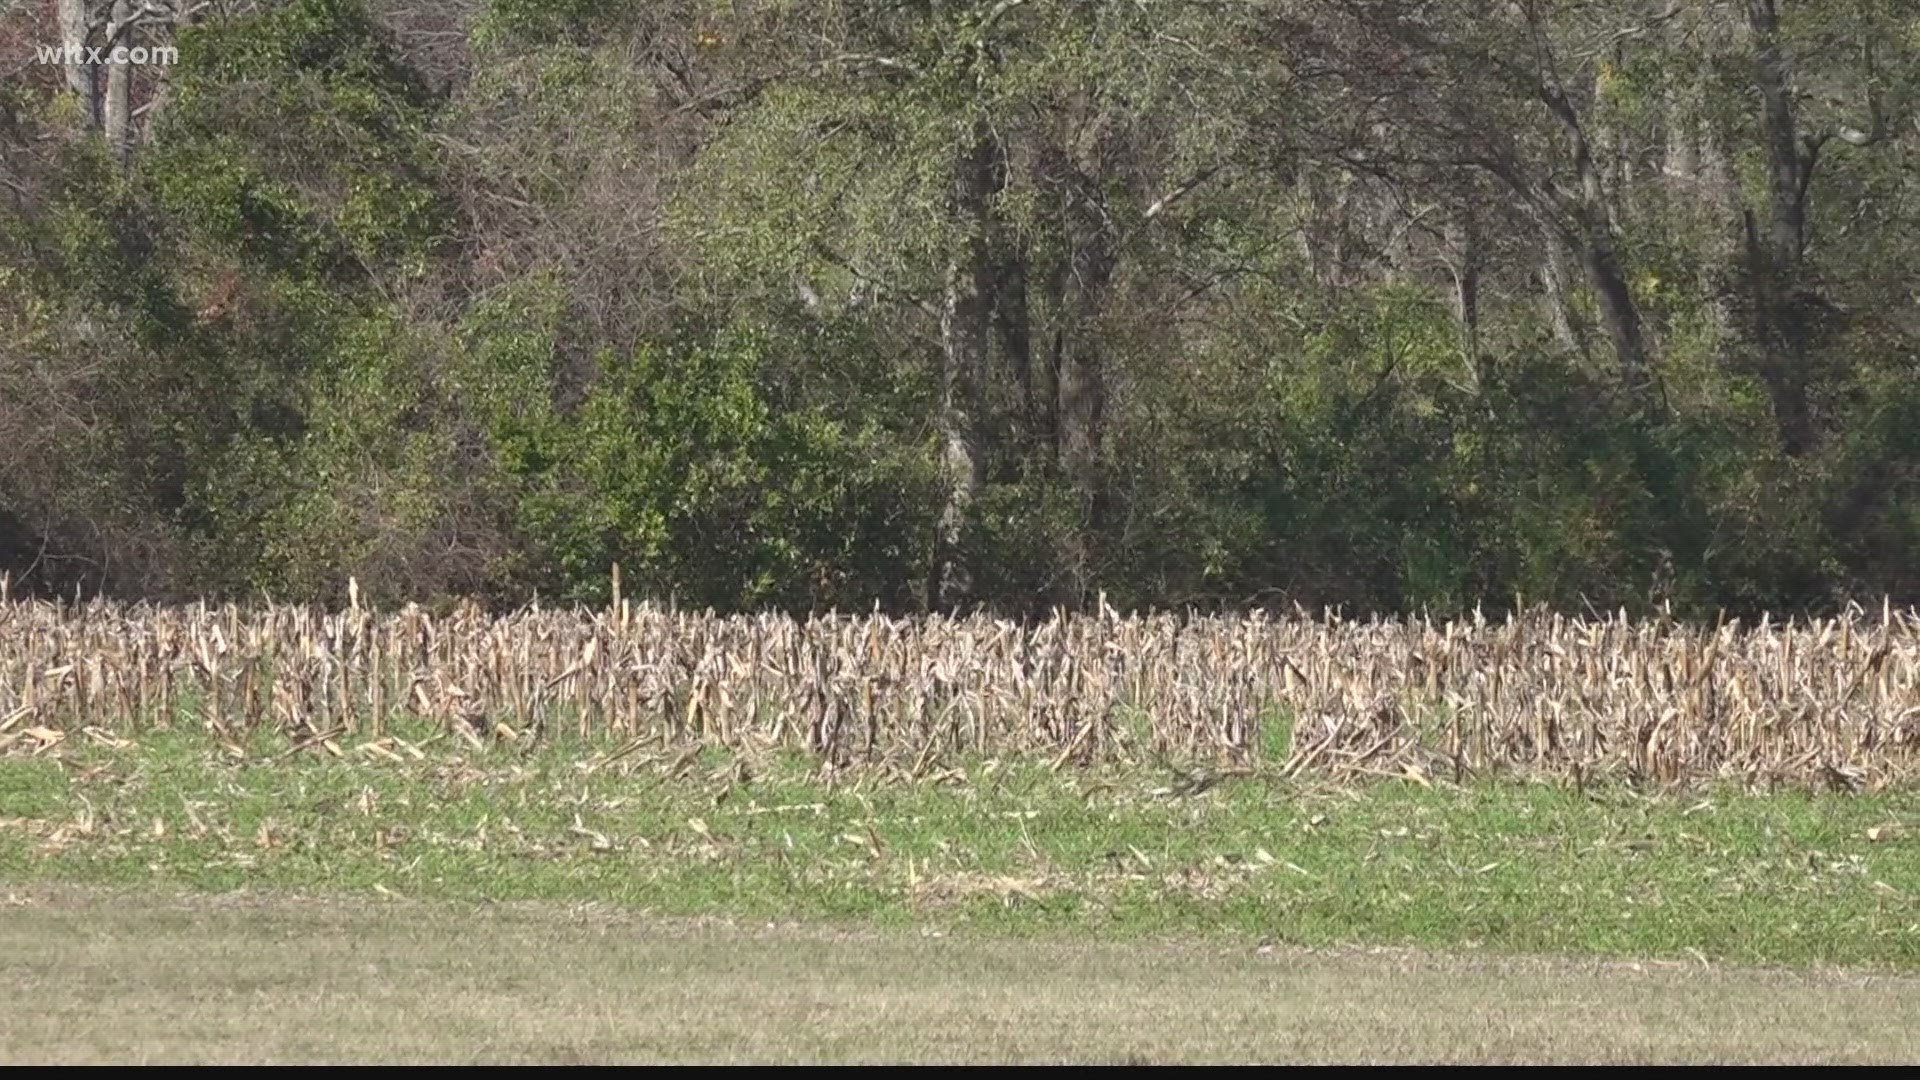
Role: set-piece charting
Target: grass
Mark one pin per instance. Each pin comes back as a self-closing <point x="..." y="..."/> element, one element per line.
<point x="119" y="978"/>
<point x="1014" y="849"/>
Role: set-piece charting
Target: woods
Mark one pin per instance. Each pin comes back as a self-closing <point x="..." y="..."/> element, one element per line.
<point x="950" y="305"/>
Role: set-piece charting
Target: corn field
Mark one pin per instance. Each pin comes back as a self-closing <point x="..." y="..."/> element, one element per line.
<point x="1824" y="702"/>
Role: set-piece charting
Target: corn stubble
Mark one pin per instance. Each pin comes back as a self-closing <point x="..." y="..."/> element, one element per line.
<point x="1826" y="702"/>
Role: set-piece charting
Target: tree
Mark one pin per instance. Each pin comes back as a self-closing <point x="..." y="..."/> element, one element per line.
<point x="1786" y="307"/>
<point x="1410" y="92"/>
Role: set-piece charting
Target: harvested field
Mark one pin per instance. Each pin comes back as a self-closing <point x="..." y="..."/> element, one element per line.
<point x="251" y="979"/>
<point x="1830" y="703"/>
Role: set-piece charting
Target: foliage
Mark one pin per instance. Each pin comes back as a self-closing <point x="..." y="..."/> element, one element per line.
<point x="721" y="472"/>
<point x="1282" y="302"/>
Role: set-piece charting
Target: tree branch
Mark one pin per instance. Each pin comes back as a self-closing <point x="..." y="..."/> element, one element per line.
<point x="898" y="296"/>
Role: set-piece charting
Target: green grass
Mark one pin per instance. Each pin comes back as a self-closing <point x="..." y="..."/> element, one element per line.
<point x="1791" y="878"/>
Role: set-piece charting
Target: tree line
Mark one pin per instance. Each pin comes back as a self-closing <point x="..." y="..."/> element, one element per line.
<point x="944" y="304"/>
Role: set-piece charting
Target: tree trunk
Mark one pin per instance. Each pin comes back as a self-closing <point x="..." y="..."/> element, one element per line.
<point x="1618" y="311"/>
<point x="1787" y="165"/>
<point x="1083" y="388"/>
<point x="82" y="78"/>
<point x="1779" y="327"/>
<point x="1083" y="397"/>
<point x="1013" y="325"/>
<point x="1568" y="330"/>
<point x="1583" y="220"/>
<point x="1774" y="260"/>
<point x="117" y="117"/>
<point x="1013" y="337"/>
<point x="965" y="331"/>
<point x="1463" y="237"/>
<point x="1593" y="241"/>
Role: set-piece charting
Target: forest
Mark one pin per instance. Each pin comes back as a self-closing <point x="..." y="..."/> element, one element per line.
<point x="955" y="305"/>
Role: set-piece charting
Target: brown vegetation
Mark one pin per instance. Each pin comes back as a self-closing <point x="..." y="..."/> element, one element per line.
<point x="1827" y="702"/>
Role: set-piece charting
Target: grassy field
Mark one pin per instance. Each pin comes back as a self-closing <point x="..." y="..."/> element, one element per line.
<point x="1496" y="868"/>
<point x="102" y="976"/>
<point x="179" y="897"/>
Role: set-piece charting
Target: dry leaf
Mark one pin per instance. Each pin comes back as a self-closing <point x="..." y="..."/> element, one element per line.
<point x="597" y="840"/>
